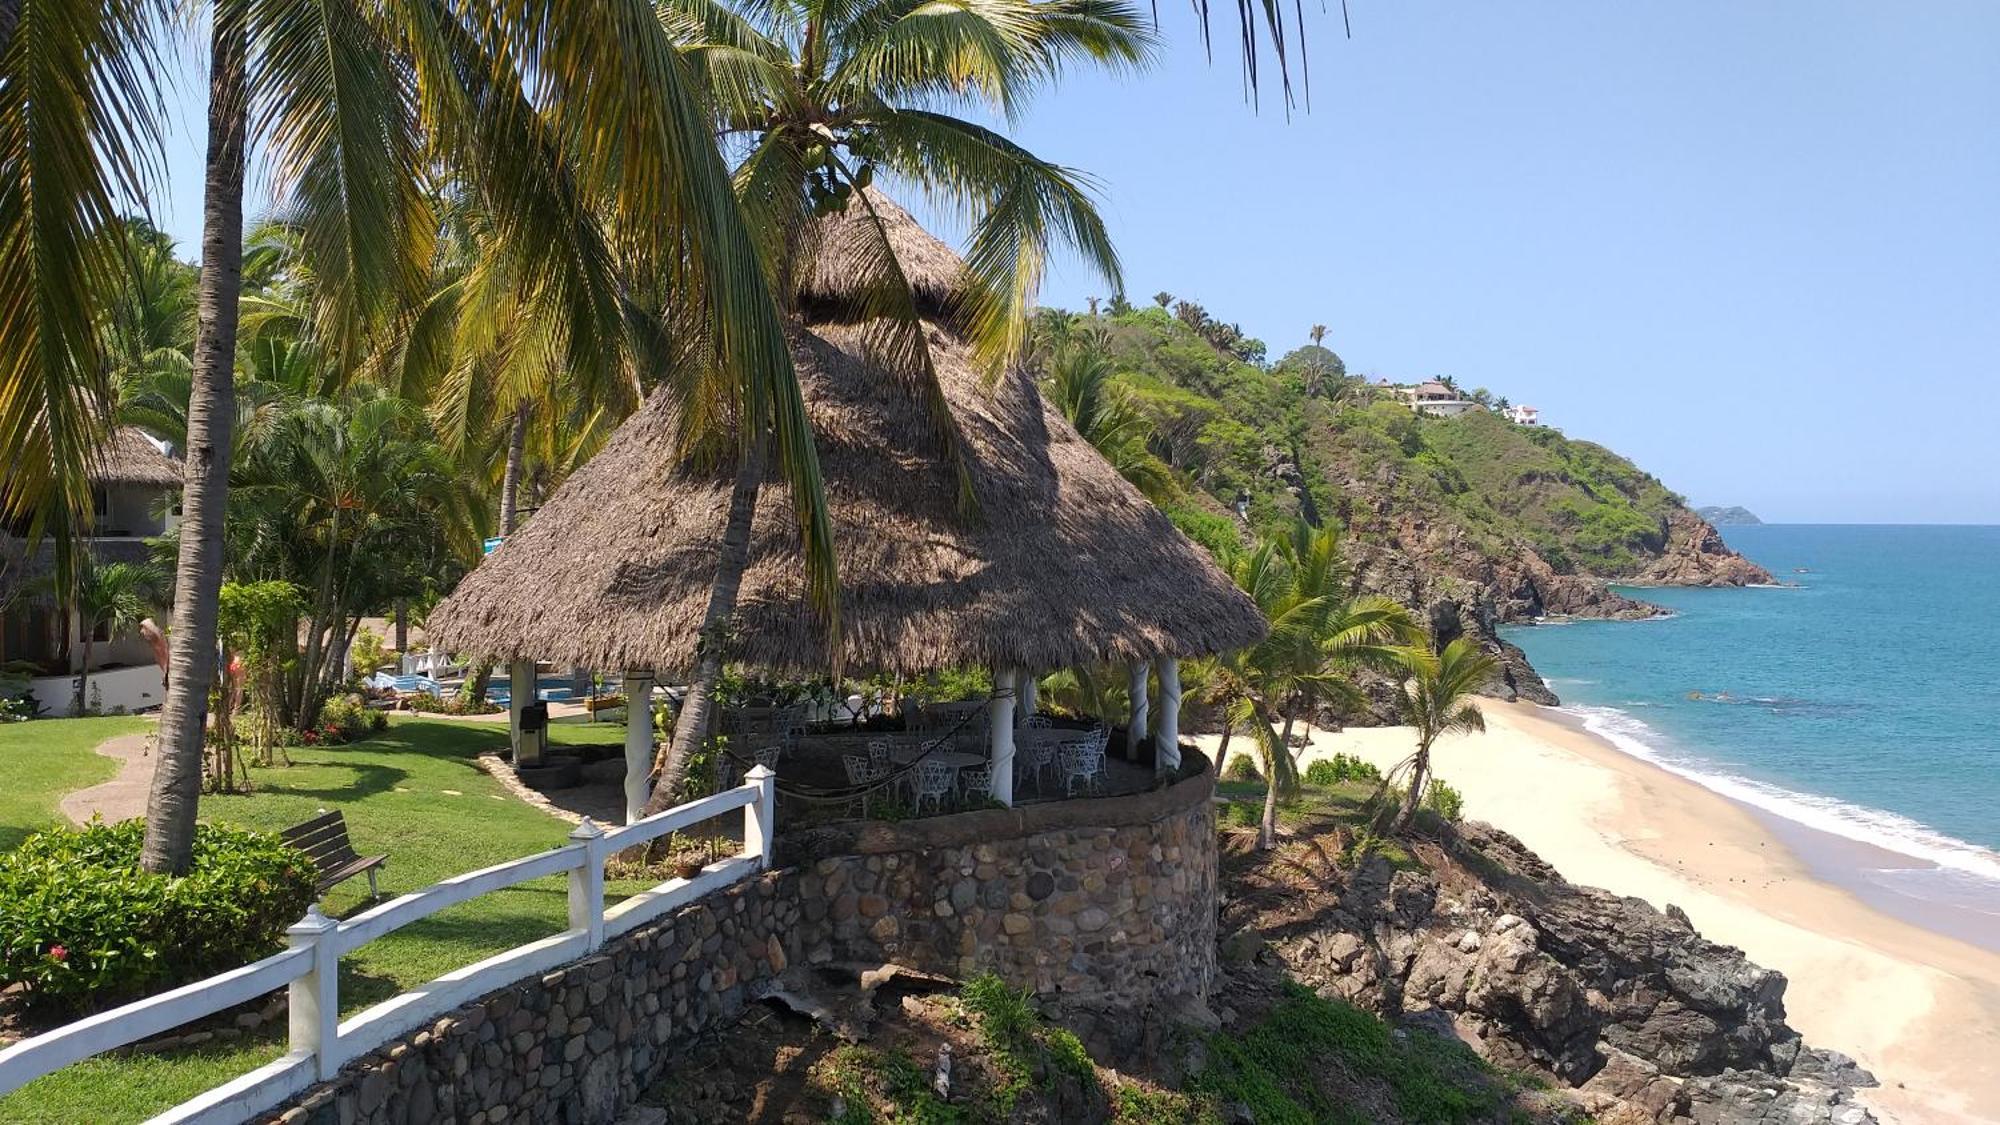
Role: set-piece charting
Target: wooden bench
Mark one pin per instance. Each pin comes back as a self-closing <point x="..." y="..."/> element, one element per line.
<point x="324" y="840"/>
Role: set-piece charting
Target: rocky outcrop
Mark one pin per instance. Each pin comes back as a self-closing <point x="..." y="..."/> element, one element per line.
<point x="1628" y="1005"/>
<point x="1695" y="555"/>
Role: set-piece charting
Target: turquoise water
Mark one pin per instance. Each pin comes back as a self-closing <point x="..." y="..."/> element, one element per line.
<point x="1864" y="703"/>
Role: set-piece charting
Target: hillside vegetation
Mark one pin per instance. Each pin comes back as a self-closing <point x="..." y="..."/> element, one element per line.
<point x="1301" y="437"/>
<point x="1508" y="521"/>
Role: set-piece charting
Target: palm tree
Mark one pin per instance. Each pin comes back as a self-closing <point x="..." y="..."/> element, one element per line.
<point x="1436" y="701"/>
<point x="78" y="79"/>
<point x="1318" y="335"/>
<point x="357" y="99"/>
<point x="817" y="96"/>
<point x="1080" y="381"/>
<point x="1163" y="298"/>
<point x="1321" y="631"/>
<point x="112" y="597"/>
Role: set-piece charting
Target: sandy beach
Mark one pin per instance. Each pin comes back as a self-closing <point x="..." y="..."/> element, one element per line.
<point x="1920" y="1009"/>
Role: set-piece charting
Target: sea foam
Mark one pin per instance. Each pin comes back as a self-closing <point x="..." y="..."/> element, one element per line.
<point x="1877" y="827"/>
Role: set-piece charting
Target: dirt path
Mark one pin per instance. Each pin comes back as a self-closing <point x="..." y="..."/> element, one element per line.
<point x="124" y="796"/>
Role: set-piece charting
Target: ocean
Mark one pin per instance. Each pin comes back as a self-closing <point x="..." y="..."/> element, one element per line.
<point x="1859" y="707"/>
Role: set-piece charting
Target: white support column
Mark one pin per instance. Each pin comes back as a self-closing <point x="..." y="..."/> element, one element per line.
<point x="760" y="819"/>
<point x="638" y="742"/>
<point x="314" y="1001"/>
<point x="1030" y="683"/>
<point x="1167" y="744"/>
<point x="1000" y="727"/>
<point x="1135" y="688"/>
<point x="586" y="885"/>
<point x="520" y="693"/>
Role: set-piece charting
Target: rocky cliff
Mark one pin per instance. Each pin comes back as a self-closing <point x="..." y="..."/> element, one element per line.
<point x="1627" y="1006"/>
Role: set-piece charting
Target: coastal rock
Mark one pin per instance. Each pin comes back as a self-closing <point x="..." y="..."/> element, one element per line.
<point x="1627" y="1004"/>
<point x="1697" y="556"/>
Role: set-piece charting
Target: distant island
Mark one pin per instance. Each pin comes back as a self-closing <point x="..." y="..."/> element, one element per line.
<point x="1723" y="516"/>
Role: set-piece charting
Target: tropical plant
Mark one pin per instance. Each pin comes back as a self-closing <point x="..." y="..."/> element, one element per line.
<point x="79" y="133"/>
<point x="1163" y="298"/>
<point x="110" y="597"/>
<point x="1436" y="700"/>
<point x="816" y="97"/>
<point x="1321" y="630"/>
<point x="355" y="100"/>
<point x="1080" y="380"/>
<point x="1318" y="335"/>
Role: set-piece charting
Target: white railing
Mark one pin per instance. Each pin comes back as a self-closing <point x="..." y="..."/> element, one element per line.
<point x="320" y="1042"/>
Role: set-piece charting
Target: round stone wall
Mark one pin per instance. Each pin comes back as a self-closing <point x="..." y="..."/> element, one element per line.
<point x="1108" y="899"/>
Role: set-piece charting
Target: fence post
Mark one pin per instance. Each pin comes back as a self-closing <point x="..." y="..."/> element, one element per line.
<point x="586" y="885"/>
<point x="315" y="997"/>
<point x="760" y="817"/>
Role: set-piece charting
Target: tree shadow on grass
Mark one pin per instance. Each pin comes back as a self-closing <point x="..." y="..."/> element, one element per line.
<point x="369" y="779"/>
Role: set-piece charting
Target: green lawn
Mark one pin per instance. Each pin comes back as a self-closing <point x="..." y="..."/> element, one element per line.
<point x="414" y="792"/>
<point x="45" y="760"/>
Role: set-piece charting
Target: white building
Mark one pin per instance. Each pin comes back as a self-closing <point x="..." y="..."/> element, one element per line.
<point x="134" y="493"/>
<point x="1437" y="400"/>
<point x="1524" y="416"/>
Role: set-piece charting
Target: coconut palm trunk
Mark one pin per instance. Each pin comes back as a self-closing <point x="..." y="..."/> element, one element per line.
<point x="169" y="846"/>
<point x="510" y="481"/>
<point x="692" y="725"/>
<point x="1420" y="768"/>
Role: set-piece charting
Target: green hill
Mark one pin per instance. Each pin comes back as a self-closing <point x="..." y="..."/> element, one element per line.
<point x="1473" y="515"/>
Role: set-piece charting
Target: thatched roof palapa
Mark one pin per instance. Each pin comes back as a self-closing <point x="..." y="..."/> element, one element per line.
<point x="845" y="247"/>
<point x="1066" y="563"/>
<point x="130" y="457"/>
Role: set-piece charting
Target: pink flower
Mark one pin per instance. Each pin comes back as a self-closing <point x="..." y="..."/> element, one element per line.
<point x="58" y="952"/>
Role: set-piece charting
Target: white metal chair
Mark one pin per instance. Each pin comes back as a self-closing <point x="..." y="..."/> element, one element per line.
<point x="1037" y="721"/>
<point x="769" y="756"/>
<point x="975" y="785"/>
<point x="935" y="782"/>
<point x="861" y="771"/>
<point x="1033" y="758"/>
<point x="1081" y="761"/>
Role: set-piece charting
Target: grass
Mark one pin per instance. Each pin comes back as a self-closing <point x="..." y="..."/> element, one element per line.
<point x="46" y="760"/>
<point x="415" y="792"/>
<point x="1278" y="1068"/>
<point x="1321" y="808"/>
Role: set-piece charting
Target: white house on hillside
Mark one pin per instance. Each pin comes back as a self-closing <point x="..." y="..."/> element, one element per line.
<point x="134" y="490"/>
<point x="1437" y="400"/>
<point x="1524" y="416"/>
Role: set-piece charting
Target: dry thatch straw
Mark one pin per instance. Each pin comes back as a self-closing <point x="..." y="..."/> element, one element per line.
<point x="130" y="457"/>
<point x="1066" y="564"/>
<point x="846" y="251"/>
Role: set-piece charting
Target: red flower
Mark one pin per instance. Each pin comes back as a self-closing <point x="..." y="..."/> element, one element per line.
<point x="58" y="952"/>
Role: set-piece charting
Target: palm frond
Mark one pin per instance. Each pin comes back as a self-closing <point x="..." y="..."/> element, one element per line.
<point x="79" y="133"/>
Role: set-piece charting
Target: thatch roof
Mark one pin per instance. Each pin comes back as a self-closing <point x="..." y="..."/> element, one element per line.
<point x="130" y="457"/>
<point x="1067" y="563"/>
<point x="846" y="247"/>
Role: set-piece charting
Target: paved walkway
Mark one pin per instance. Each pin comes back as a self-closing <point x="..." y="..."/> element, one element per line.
<point x="125" y="795"/>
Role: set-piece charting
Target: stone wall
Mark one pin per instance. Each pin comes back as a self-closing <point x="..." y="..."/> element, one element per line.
<point x="1098" y="900"/>
<point x="578" y="1045"/>
<point x="1107" y="902"/>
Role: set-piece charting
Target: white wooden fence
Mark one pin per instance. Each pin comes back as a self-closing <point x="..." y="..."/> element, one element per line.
<point x="321" y="1041"/>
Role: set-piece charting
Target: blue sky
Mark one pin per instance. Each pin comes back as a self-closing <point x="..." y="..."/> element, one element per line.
<point x="1756" y="247"/>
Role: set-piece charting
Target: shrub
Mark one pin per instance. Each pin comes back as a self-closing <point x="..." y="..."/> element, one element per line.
<point x="1339" y="768"/>
<point x="346" y="718"/>
<point x="82" y="927"/>
<point x="1241" y="768"/>
<point x="1443" y="800"/>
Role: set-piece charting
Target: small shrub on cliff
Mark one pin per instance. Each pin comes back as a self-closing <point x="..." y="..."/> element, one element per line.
<point x="1339" y="768"/>
<point x="82" y="927"/>
<point x="1443" y="800"/>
